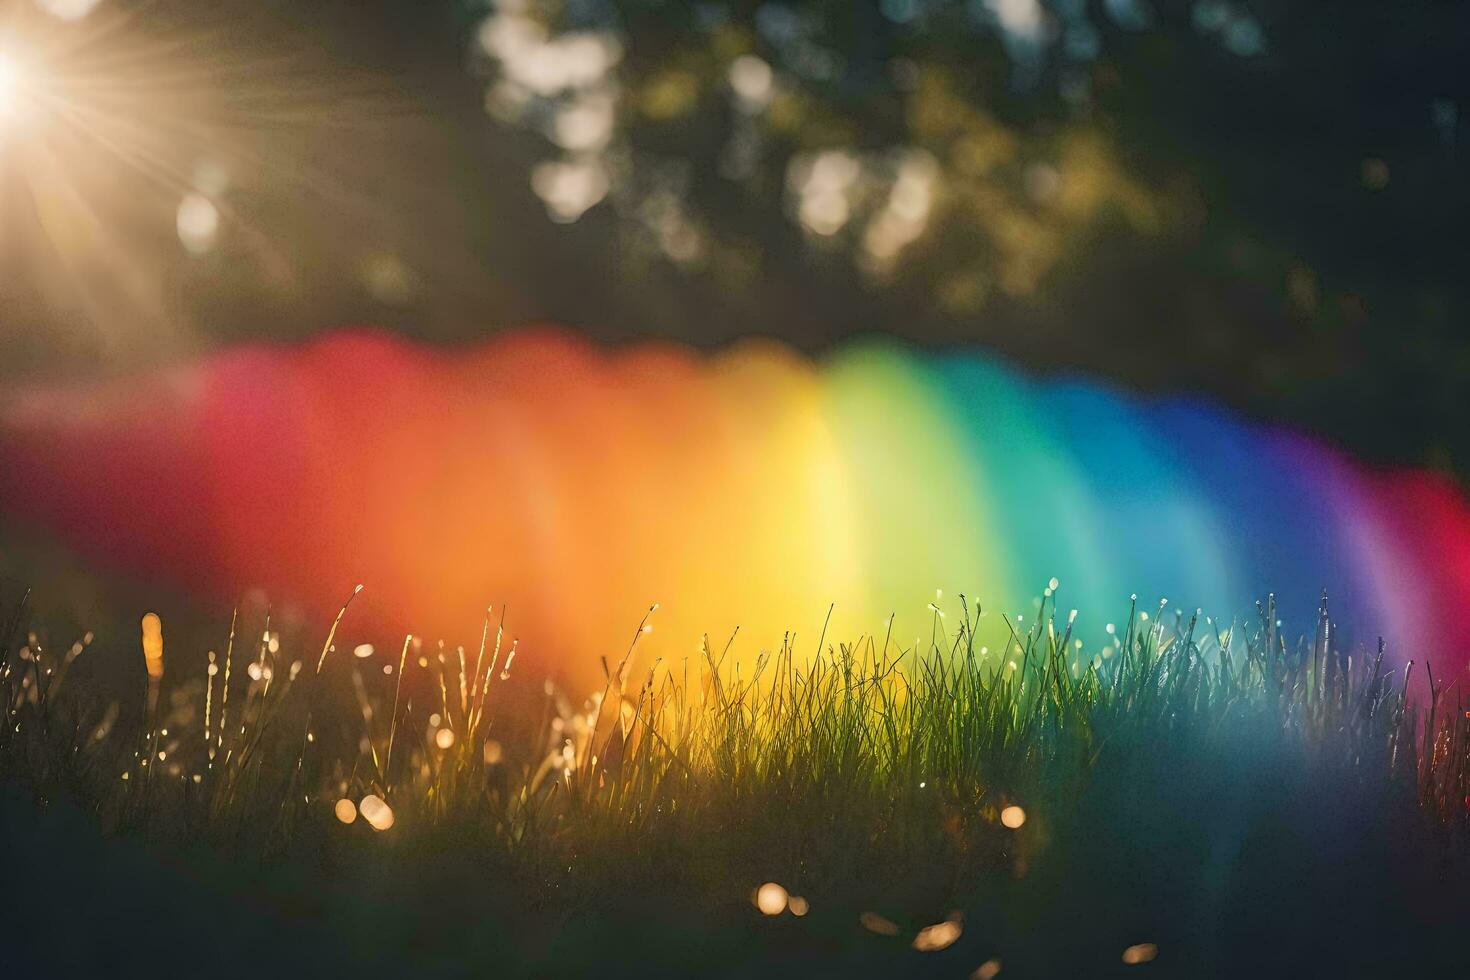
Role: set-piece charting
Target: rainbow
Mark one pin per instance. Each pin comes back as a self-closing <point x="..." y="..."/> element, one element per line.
<point x="751" y="488"/>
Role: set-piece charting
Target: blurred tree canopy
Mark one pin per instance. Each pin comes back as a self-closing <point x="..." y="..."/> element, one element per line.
<point x="1259" y="199"/>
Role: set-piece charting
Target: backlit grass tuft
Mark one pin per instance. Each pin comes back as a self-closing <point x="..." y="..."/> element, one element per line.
<point x="945" y="801"/>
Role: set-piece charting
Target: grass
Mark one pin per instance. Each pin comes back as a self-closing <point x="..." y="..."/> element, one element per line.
<point x="1191" y="801"/>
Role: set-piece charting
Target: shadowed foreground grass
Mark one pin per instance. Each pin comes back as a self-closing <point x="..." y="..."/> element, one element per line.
<point x="1187" y="802"/>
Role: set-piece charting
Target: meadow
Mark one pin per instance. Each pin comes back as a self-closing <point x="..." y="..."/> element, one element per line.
<point x="1195" y="798"/>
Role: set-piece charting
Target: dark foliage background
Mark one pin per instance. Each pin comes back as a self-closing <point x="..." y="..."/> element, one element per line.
<point x="1261" y="200"/>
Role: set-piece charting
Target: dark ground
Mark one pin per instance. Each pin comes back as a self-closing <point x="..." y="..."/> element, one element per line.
<point x="1315" y="884"/>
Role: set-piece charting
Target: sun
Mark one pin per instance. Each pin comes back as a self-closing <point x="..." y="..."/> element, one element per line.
<point x="128" y="134"/>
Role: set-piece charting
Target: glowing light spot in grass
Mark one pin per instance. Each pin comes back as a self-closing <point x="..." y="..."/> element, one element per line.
<point x="435" y="720"/>
<point x="255" y="671"/>
<point x="1111" y="629"/>
<point x="388" y="670"/>
<point x="770" y="898"/>
<point x="875" y="923"/>
<point x="1013" y="817"/>
<point x="1140" y="953"/>
<point x="941" y="935"/>
<point x="988" y="970"/>
<point x="362" y="651"/>
<point x="377" y="813"/>
<point x="493" y="752"/>
<point x="423" y="661"/>
<point x="153" y="645"/>
<point x="345" y="810"/>
<point x="798" y="906"/>
<point x="1053" y="584"/>
<point x="444" y="738"/>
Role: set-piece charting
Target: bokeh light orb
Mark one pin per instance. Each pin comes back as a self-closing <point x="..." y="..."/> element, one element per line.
<point x="770" y="898"/>
<point x="376" y="812"/>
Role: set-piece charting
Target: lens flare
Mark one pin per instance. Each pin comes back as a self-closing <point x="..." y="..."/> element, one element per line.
<point x="137" y="139"/>
<point x="9" y="84"/>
